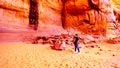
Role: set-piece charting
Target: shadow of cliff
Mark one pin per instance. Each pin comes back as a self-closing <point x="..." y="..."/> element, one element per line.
<point x="33" y="14"/>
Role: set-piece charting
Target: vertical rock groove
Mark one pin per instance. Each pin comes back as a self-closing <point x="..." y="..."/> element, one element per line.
<point x="63" y="13"/>
<point x="33" y="14"/>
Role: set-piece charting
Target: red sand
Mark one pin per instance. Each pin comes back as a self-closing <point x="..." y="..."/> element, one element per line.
<point x="19" y="54"/>
<point x="24" y="55"/>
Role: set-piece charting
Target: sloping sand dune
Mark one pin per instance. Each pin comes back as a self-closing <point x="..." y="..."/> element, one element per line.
<point x="24" y="55"/>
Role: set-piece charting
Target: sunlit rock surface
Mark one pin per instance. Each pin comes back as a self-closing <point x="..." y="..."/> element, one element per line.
<point x="88" y="16"/>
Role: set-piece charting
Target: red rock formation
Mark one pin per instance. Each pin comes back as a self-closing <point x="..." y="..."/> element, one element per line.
<point x="88" y="16"/>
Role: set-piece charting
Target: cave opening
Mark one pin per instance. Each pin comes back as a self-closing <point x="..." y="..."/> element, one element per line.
<point x="33" y="14"/>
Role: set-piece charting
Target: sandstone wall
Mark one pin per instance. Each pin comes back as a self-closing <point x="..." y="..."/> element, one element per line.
<point x="88" y="16"/>
<point x="15" y="13"/>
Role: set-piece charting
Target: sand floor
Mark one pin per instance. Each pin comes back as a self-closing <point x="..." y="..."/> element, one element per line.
<point x="25" y="55"/>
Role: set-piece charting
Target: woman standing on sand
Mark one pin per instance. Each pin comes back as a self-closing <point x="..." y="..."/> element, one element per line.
<point x="75" y="41"/>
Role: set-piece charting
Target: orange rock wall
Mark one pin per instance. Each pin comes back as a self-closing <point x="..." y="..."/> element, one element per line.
<point x="89" y="16"/>
<point x="15" y="13"/>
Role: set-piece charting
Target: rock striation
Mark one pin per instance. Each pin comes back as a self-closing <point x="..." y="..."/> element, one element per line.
<point x="96" y="17"/>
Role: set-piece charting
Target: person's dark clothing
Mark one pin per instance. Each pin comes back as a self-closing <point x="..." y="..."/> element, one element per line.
<point x="77" y="48"/>
<point x="76" y="39"/>
<point x="76" y="43"/>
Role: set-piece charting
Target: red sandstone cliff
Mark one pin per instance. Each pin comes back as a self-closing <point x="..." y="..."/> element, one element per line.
<point x="88" y="16"/>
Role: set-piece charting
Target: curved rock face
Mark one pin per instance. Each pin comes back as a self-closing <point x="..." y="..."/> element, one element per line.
<point x="88" y="16"/>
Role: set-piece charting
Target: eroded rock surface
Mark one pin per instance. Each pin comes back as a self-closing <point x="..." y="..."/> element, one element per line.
<point x="88" y="16"/>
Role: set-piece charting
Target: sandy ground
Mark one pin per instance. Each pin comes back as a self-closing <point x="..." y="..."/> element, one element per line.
<point x="24" y="55"/>
<point x="16" y="54"/>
